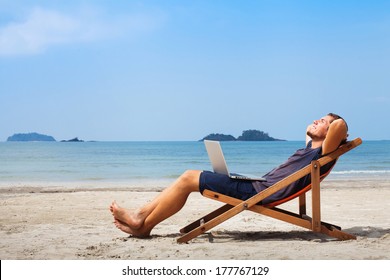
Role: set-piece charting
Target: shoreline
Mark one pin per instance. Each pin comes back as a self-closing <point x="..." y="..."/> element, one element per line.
<point x="75" y="224"/>
<point x="157" y="185"/>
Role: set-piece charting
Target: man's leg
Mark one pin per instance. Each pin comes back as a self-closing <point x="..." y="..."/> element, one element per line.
<point x="141" y="222"/>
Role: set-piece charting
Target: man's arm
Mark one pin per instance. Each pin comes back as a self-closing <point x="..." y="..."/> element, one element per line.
<point x="336" y="134"/>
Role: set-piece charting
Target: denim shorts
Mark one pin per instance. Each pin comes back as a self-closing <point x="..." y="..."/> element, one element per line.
<point x="223" y="184"/>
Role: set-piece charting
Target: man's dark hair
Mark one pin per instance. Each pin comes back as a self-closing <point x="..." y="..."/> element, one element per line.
<point x="336" y="117"/>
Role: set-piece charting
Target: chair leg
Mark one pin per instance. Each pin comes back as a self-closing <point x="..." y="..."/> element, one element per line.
<point x="206" y="218"/>
<point x="302" y="204"/>
<point x="336" y="232"/>
<point x="213" y="222"/>
<point x="316" y="202"/>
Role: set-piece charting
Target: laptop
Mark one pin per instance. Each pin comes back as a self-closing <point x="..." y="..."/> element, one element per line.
<point x="219" y="165"/>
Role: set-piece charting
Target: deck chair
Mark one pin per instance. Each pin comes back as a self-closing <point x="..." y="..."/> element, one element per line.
<point x="234" y="206"/>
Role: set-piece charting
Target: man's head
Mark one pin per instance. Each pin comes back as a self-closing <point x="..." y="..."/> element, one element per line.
<point x="319" y="128"/>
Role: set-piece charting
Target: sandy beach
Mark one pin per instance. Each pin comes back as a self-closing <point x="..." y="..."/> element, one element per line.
<point x="62" y="223"/>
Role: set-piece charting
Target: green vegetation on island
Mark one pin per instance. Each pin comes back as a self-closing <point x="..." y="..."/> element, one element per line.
<point x="219" y="137"/>
<point x="73" y="140"/>
<point x="247" y="135"/>
<point x="33" y="136"/>
<point x="37" y="137"/>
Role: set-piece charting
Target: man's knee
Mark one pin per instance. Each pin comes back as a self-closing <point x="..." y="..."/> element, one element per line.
<point x="190" y="178"/>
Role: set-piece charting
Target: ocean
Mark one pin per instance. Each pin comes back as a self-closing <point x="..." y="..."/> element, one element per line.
<point x="132" y="163"/>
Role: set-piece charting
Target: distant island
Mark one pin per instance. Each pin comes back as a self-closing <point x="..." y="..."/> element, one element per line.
<point x="219" y="137"/>
<point x="73" y="140"/>
<point x="33" y="136"/>
<point x="36" y="137"/>
<point x="247" y="135"/>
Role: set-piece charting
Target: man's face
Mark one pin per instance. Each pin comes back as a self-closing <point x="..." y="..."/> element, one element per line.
<point x="319" y="128"/>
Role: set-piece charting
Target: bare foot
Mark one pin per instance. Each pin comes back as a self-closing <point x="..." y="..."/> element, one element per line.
<point x="132" y="219"/>
<point x="123" y="227"/>
<point x="127" y="229"/>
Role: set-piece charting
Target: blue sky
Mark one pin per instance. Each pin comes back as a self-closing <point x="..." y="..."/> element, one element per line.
<point x="179" y="70"/>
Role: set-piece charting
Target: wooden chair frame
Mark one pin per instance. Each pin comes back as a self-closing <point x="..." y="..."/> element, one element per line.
<point x="234" y="206"/>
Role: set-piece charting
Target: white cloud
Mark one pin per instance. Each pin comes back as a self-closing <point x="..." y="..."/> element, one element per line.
<point x="382" y="99"/>
<point x="45" y="28"/>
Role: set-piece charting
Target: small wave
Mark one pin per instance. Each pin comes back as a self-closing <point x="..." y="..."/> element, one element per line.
<point x="93" y="179"/>
<point x="362" y="172"/>
<point x="171" y="176"/>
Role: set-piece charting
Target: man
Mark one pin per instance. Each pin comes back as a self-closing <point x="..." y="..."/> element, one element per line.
<point x="322" y="137"/>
